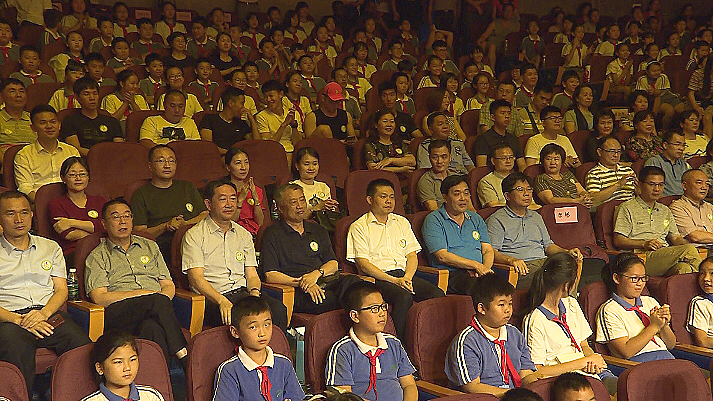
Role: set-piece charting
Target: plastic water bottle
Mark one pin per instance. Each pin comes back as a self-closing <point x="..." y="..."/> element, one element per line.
<point x="73" y="285"/>
<point x="274" y="212"/>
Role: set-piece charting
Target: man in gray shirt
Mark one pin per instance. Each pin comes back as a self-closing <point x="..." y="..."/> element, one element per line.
<point x="128" y="276"/>
<point x="460" y="162"/>
<point x="429" y="185"/>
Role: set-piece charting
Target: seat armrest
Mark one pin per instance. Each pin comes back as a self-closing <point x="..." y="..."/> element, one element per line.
<point x="282" y="293"/>
<point x="439" y="277"/>
<point x="435" y="390"/>
<point x="699" y="355"/>
<point x="618" y="365"/>
<point x="506" y="271"/>
<point x="189" y="308"/>
<point x="88" y="316"/>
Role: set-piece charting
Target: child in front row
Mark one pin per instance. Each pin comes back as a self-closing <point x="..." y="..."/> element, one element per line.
<point x="95" y="69"/>
<point x="700" y="310"/>
<point x="633" y="326"/>
<point x="30" y="72"/>
<point x="572" y="386"/>
<point x="367" y="347"/>
<point x="115" y="361"/>
<point x="255" y="372"/>
<point x="490" y="356"/>
<point x="555" y="328"/>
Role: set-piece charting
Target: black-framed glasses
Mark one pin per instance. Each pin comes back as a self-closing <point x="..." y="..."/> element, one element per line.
<point x="654" y="184"/>
<point x="612" y="151"/>
<point x="508" y="158"/>
<point x="375" y="308"/>
<point x="636" y="279"/>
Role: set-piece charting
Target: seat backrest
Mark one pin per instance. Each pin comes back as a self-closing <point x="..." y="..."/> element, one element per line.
<point x="543" y="388"/>
<point x="697" y="161"/>
<point x="175" y="267"/>
<point x="677" y="291"/>
<point x="321" y="333"/>
<point x="40" y="93"/>
<point x="469" y="121"/>
<point x="578" y="138"/>
<point x="333" y="159"/>
<point x="487" y="211"/>
<point x="523" y="140"/>
<point x="117" y="164"/>
<point x="43" y="196"/>
<point x="261" y="150"/>
<point x="415" y="144"/>
<point x="582" y="171"/>
<point x="134" y="121"/>
<point x="72" y="377"/>
<point x="432" y="324"/>
<point x="591" y="297"/>
<point x="598" y="67"/>
<point x="8" y="166"/>
<point x="358" y="155"/>
<point x="13" y="386"/>
<point x="578" y="234"/>
<point x="416" y="205"/>
<point x="416" y="220"/>
<point x="198" y="117"/>
<point x="209" y="349"/>
<point x="84" y="247"/>
<point x="341" y="228"/>
<point x="604" y="224"/>
<point x="355" y="190"/>
<point x="669" y="379"/>
<point x="474" y="177"/>
<point x="666" y="200"/>
<point x="131" y="188"/>
<point x="198" y="162"/>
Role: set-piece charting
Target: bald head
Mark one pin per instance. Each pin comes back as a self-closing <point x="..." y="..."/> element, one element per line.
<point x="695" y="185"/>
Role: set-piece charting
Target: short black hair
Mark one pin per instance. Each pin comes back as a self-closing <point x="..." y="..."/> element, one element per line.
<point x="498" y="147"/>
<point x="439" y="43"/>
<point x="432" y="117"/>
<point x="41" y="108"/>
<point x="552" y="148"/>
<point x="94" y="56"/>
<point x="29" y="48"/>
<point x="527" y="66"/>
<point x="118" y="40"/>
<point x="14" y="194"/>
<point x="439" y="143"/>
<point x="354" y="296"/>
<point x="395" y="41"/>
<point x="387" y="85"/>
<point x="115" y="201"/>
<point x="648" y="171"/>
<point x="549" y="109"/>
<point x="210" y="187"/>
<point x="84" y="83"/>
<point x="496" y="104"/>
<point x="668" y="135"/>
<point x="379" y="182"/>
<point x="248" y="306"/>
<point x="489" y="286"/>
<point x="229" y="94"/>
<point x="569" y="74"/>
<point x="10" y="81"/>
<point x="521" y="394"/>
<point x="202" y="60"/>
<point x="200" y="20"/>
<point x="143" y="21"/>
<point x="173" y="92"/>
<point x="273" y="85"/>
<point x="451" y="181"/>
<point x="52" y="17"/>
<point x="158" y="147"/>
<point x="543" y="86"/>
<point x="105" y="345"/>
<point x="509" y="182"/>
<point x="570" y="381"/>
<point x="265" y="41"/>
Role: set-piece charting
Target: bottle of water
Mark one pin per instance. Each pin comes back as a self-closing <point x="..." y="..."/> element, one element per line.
<point x="274" y="212"/>
<point x="73" y="285"/>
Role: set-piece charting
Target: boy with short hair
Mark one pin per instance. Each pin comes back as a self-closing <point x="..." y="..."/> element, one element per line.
<point x="145" y="44"/>
<point x="150" y="84"/>
<point x="570" y="82"/>
<point x="440" y="49"/>
<point x="572" y="386"/>
<point x="200" y="44"/>
<point x="202" y="82"/>
<point x="433" y="78"/>
<point x="396" y="50"/>
<point x="252" y="74"/>
<point x="51" y="32"/>
<point x="255" y="372"/>
<point x="106" y="30"/>
<point x="311" y="82"/>
<point x="269" y="61"/>
<point x="30" y="63"/>
<point x="64" y="98"/>
<point x="10" y="51"/>
<point x="490" y="356"/>
<point x="366" y="348"/>
<point x="403" y="84"/>
<point x="532" y="47"/>
<point x="95" y="69"/>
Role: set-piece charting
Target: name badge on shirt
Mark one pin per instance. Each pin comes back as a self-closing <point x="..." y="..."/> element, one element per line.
<point x="314" y="246"/>
<point x="144" y="259"/>
<point x="476" y="235"/>
<point x="239" y="256"/>
<point x="344" y="128"/>
<point x="403" y="128"/>
<point x="93" y="214"/>
<point x="103" y="128"/>
<point x="402" y="242"/>
<point x="710" y="216"/>
<point x="46" y="265"/>
<point x="251" y="202"/>
<point x="189" y="207"/>
<point x="666" y="223"/>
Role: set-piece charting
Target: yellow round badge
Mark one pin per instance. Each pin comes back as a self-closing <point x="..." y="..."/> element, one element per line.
<point x="344" y="128"/>
<point x="666" y="223"/>
<point x="144" y="259"/>
<point x="189" y="207"/>
<point x="399" y="151"/>
<point x="314" y="246"/>
<point x="402" y="242"/>
<point x="46" y="264"/>
<point x="321" y="195"/>
<point x="402" y="128"/>
<point x="103" y="128"/>
<point x="239" y="256"/>
<point x="93" y="214"/>
<point x="251" y="201"/>
<point x="710" y="216"/>
<point x="476" y="235"/>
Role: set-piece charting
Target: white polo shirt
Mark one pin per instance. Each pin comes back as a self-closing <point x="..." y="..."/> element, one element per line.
<point x="384" y="245"/>
<point x="700" y="314"/>
<point x="223" y="257"/>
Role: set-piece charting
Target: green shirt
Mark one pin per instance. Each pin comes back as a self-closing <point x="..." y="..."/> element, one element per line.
<point x="152" y="206"/>
<point x="14" y="130"/>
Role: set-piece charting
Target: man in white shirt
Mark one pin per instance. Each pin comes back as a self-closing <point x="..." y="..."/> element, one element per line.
<point x="384" y="247"/>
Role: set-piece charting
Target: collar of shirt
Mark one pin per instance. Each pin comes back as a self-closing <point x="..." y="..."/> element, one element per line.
<point x="364" y="348"/>
<point x="600" y="165"/>
<point x="39" y="72"/>
<point x="111" y="245"/>
<point x="501" y="176"/>
<point x="288" y="229"/>
<point x="7" y="117"/>
<point x="446" y="216"/>
<point x="160" y="81"/>
<point x="10" y="247"/>
<point x="209" y="83"/>
<point x="549" y="315"/>
<point x="54" y="35"/>
<point x="370" y="218"/>
<point x="502" y="336"/>
<point x="39" y="148"/>
<point x="133" y="393"/>
<point x="645" y="206"/>
<point x="511" y="213"/>
<point x="527" y="91"/>
<point x="695" y="204"/>
<point x="252" y="365"/>
<point x="214" y="228"/>
<point x="678" y="162"/>
<point x="626" y="305"/>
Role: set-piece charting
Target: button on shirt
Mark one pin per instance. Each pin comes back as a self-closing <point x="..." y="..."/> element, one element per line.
<point x="441" y="232"/>
<point x="26" y="276"/>
<point x="139" y="268"/>
<point x="674" y="172"/>
<point x="523" y="237"/>
<point x="635" y="220"/>
<point x="692" y="216"/>
<point x="35" y="166"/>
<point x="384" y="245"/>
<point x="223" y="256"/>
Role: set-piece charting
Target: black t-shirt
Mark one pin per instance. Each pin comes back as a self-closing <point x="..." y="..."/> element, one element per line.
<point x="169" y="61"/>
<point x="286" y="251"/>
<point x="486" y="142"/>
<point x="225" y="134"/>
<point x="91" y="131"/>
<point x="338" y="123"/>
<point x="224" y="65"/>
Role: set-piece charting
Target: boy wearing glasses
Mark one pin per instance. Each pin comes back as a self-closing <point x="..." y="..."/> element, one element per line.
<point x="645" y="225"/>
<point x="367" y="361"/>
<point x="609" y="180"/>
<point x="670" y="160"/>
<point x="552" y="123"/>
<point x="127" y="275"/>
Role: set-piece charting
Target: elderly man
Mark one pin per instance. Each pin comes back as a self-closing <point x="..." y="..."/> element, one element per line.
<point x="171" y="125"/>
<point x="693" y="215"/>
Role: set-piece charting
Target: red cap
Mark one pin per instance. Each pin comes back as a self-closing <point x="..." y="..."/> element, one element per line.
<point x="334" y="91"/>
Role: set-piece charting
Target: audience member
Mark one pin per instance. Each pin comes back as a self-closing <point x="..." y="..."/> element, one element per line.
<point x="490" y="191"/>
<point x="578" y="117"/>
<point x="250" y="209"/>
<point x="428" y="186"/>
<point x="226" y="128"/>
<point x="692" y="213"/>
<point x="530" y="113"/>
<point x="504" y="91"/>
<point x="552" y="121"/>
<point x="572" y="386"/>
<point x="603" y="127"/>
<point x="555" y="185"/>
<point x="609" y="179"/>
<point x="277" y="122"/>
<point x="500" y="112"/>
<point x="171" y="125"/>
<point x="317" y="193"/>
<point x="14" y="120"/>
<point x="699" y="317"/>
<point x="30" y="72"/>
<point x="385" y="149"/>
<point x="329" y="120"/>
<point x="460" y="162"/>
<point x="671" y="162"/>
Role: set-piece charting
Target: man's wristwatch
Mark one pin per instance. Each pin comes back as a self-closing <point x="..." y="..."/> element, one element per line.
<point x="321" y="271"/>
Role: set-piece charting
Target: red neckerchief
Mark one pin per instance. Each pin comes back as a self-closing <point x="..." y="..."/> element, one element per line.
<point x="637" y="309"/>
<point x="536" y="42"/>
<point x="403" y="104"/>
<point x="70" y="100"/>
<point x="506" y="364"/>
<point x="148" y="45"/>
<point x="294" y="36"/>
<point x="170" y="26"/>
<point x="206" y="87"/>
<point x="363" y="69"/>
<point x="372" y="370"/>
<point x="265" y="384"/>
<point x="568" y="95"/>
<point x="32" y="77"/>
<point x="254" y="35"/>
<point x="579" y="53"/>
<point x="311" y="82"/>
<point x="127" y="111"/>
<point x="201" y="46"/>
<point x="296" y="103"/>
<point x="562" y="322"/>
<point x="623" y="80"/>
<point x="76" y="58"/>
<point x="527" y="92"/>
<point x="125" y="63"/>
<point x="156" y="85"/>
<point x="123" y="29"/>
<point x="240" y="51"/>
<point x="6" y="51"/>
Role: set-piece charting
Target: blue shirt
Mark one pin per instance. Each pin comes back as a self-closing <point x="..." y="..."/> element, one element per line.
<point x="238" y="379"/>
<point x="136" y="393"/>
<point x="521" y="237"/>
<point x="440" y="231"/>
<point x="348" y="365"/>
<point x="471" y="356"/>
<point x="674" y="172"/>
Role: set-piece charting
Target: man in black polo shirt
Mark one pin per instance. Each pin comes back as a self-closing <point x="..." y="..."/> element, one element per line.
<point x="404" y="123"/>
<point x="500" y="112"/>
<point x="299" y="254"/>
<point x="227" y="127"/>
<point x="87" y="127"/>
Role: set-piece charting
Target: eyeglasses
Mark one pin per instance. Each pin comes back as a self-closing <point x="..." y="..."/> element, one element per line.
<point x="654" y="184"/>
<point x="554" y="118"/>
<point x="611" y="151"/>
<point x="637" y="279"/>
<point x="375" y="308"/>
<point x="118" y="217"/>
<point x="678" y="144"/>
<point x="507" y="158"/>
<point x="523" y="190"/>
<point x="77" y="175"/>
<point x="164" y="161"/>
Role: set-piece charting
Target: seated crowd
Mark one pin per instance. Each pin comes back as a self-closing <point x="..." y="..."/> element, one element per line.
<point x="474" y="149"/>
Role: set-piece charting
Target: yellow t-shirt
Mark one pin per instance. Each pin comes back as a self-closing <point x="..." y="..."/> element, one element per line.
<point x="153" y="129"/>
<point x="111" y="103"/>
<point x="60" y="100"/>
<point x="303" y="108"/>
<point x="269" y="122"/>
<point x="193" y="106"/>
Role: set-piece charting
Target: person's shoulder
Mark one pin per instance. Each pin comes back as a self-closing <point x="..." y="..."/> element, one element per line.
<point x="150" y="392"/>
<point x="43" y="243"/>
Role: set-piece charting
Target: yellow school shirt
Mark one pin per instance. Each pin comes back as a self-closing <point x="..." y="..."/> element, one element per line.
<point x="111" y="103"/>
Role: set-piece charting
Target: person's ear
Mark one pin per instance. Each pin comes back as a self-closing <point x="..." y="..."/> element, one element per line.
<point x="369" y="200"/>
<point x="354" y="316"/>
<point x="99" y="369"/>
<point x="207" y="203"/>
<point x="481" y="309"/>
<point x="616" y="279"/>
<point x="234" y="332"/>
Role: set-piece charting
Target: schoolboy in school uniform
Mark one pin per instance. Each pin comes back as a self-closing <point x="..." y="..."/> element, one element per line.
<point x="255" y="372"/>
<point x="490" y="356"/>
<point x="367" y="361"/>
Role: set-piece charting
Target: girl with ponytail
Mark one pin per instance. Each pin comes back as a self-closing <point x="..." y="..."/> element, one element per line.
<point x="555" y="327"/>
<point x="633" y="326"/>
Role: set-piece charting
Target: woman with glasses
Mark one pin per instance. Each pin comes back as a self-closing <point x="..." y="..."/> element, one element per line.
<point x="75" y="214"/>
<point x="633" y="326"/>
<point x="579" y="118"/>
<point x="603" y="127"/>
<point x="645" y="143"/>
<point x="556" y="186"/>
